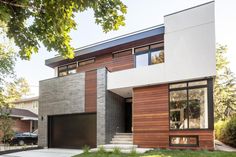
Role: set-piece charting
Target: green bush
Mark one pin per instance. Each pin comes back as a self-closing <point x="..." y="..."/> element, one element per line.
<point x="230" y="132"/>
<point x="225" y="131"/>
<point x="116" y="150"/>
<point x="86" y="149"/>
<point x="219" y="129"/>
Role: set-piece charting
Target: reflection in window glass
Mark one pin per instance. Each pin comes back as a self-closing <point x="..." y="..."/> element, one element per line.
<point x="178" y="109"/>
<point x="142" y="60"/>
<point x="142" y="49"/>
<point x="157" y="57"/>
<point x="178" y="85"/>
<point x="198" y="117"/>
<point x="197" y="83"/>
<point x="184" y="140"/>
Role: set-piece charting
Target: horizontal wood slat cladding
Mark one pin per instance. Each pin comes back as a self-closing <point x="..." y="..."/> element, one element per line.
<point x="105" y="59"/>
<point x="91" y="91"/>
<point x="116" y="64"/>
<point x="151" y="116"/>
<point x="110" y="50"/>
<point x="206" y="138"/>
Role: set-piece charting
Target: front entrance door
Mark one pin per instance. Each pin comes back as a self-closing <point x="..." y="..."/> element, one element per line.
<point x="128" y="117"/>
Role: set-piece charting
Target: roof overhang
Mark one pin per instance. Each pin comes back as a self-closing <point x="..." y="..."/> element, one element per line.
<point x="95" y="48"/>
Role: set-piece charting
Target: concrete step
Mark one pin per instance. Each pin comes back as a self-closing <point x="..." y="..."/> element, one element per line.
<point x="120" y="146"/>
<point x="124" y="134"/>
<point x="121" y="142"/>
<point x="123" y="148"/>
<point x="122" y="139"/>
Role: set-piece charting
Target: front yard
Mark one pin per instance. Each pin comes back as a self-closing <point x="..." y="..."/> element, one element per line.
<point x="163" y="153"/>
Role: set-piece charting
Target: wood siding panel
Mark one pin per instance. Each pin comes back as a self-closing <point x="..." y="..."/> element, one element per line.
<point x="151" y="121"/>
<point x="112" y="64"/>
<point x="151" y="116"/>
<point x="91" y="91"/>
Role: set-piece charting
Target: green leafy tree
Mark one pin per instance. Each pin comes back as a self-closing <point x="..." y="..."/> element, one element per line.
<point x="224" y="86"/>
<point x="31" y="22"/>
<point x="9" y="91"/>
<point x="12" y="91"/>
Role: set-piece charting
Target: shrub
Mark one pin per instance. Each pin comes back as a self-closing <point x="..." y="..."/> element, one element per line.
<point x="116" y="150"/>
<point x="101" y="149"/>
<point x="219" y="129"/>
<point x="225" y="131"/>
<point x="230" y="132"/>
<point x="133" y="152"/>
<point x="86" y="149"/>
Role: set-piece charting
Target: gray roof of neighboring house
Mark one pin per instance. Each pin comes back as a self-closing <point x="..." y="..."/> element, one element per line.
<point x="26" y="100"/>
<point x="145" y="33"/>
<point x="22" y="113"/>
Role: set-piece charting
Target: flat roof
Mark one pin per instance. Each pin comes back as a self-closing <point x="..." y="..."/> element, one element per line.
<point x="26" y="100"/>
<point x="141" y="34"/>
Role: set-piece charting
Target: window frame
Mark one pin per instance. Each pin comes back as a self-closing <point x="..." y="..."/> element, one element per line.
<point x="184" y="145"/>
<point x="67" y="69"/>
<point x="210" y="107"/>
<point x="149" y="51"/>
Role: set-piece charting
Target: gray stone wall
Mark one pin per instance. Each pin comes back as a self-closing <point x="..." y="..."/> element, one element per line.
<point x="110" y="111"/>
<point x="101" y="106"/>
<point x="115" y="115"/>
<point x="62" y="95"/>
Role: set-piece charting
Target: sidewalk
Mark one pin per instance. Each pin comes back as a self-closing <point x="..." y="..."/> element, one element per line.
<point x="223" y="147"/>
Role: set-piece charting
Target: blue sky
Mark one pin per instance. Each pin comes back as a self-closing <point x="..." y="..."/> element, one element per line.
<point x="141" y="14"/>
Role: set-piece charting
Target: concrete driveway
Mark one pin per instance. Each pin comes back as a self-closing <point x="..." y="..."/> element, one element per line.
<point x="45" y="153"/>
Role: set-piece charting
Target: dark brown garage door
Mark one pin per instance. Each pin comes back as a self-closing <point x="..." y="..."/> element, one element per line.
<point x="72" y="131"/>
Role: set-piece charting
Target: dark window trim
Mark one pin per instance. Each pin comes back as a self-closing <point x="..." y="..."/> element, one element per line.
<point x="67" y="69"/>
<point x="184" y="145"/>
<point x="210" y="112"/>
<point x="149" y="51"/>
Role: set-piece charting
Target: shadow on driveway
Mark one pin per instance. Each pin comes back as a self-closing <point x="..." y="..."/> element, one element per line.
<point x="45" y="153"/>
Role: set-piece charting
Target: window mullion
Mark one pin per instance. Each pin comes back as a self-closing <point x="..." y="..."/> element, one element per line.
<point x="187" y="107"/>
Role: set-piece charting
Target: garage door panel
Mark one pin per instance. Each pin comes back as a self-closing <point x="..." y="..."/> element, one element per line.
<point x="72" y="131"/>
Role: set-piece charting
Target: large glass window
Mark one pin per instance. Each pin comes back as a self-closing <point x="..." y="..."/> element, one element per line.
<point x="148" y="55"/>
<point x="178" y="109"/>
<point x="142" y="60"/>
<point x="189" y="105"/>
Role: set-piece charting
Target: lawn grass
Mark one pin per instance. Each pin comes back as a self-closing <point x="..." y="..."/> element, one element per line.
<point x="163" y="153"/>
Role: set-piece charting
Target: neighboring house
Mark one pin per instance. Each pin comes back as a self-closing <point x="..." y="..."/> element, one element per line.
<point x="30" y="104"/>
<point x="155" y="86"/>
<point x="24" y="120"/>
<point x="25" y="114"/>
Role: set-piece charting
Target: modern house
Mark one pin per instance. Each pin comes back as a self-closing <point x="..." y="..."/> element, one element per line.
<point x="152" y="88"/>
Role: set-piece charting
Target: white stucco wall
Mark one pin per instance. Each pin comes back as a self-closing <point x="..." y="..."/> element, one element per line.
<point x="189" y="51"/>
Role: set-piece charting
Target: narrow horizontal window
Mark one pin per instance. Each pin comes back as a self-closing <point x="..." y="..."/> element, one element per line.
<point x="90" y="61"/>
<point x="178" y="85"/>
<point x="184" y="141"/>
<point x="142" y="49"/>
<point x="122" y="54"/>
<point x="197" y="83"/>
